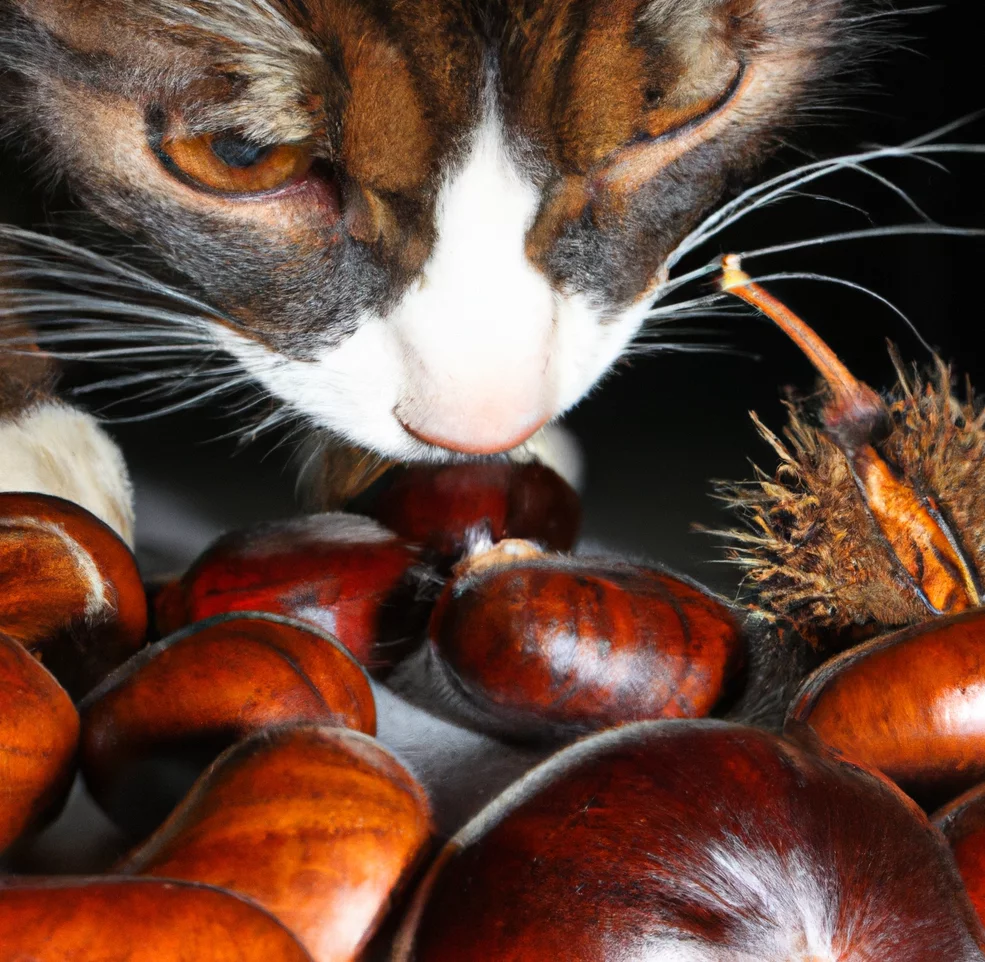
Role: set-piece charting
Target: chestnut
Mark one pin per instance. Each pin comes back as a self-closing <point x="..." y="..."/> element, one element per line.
<point x="341" y="572"/>
<point x="908" y="704"/>
<point x="318" y="825"/>
<point x="39" y="734"/>
<point x="136" y="920"/>
<point x="698" y="841"/>
<point x="442" y="506"/>
<point x="72" y="593"/>
<point x="537" y="644"/>
<point x="963" y="823"/>
<point x="152" y="726"/>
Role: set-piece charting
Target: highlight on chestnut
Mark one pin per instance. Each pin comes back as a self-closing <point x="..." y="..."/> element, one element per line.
<point x="540" y="645"/>
<point x="693" y="840"/>
<point x="321" y="826"/>
<point x="153" y="726"/>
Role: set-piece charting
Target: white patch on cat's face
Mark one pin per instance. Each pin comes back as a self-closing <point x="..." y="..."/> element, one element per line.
<point x="479" y="352"/>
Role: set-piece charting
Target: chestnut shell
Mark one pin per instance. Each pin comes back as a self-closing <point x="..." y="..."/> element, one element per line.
<point x="342" y="573"/>
<point x="560" y="645"/>
<point x="151" y="728"/>
<point x="72" y="593"/>
<point x="699" y="841"/>
<point x="441" y="506"/>
<point x="39" y="734"/>
<point x="908" y="704"/>
<point x="136" y="920"/>
<point x="963" y="823"/>
<point x="321" y="826"/>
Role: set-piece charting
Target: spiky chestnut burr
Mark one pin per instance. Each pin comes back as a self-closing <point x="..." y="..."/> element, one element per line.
<point x="875" y="516"/>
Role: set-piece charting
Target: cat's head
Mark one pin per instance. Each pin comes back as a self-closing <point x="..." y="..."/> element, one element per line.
<point x="428" y="224"/>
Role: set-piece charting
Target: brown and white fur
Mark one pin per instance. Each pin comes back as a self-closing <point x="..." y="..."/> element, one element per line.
<point x="494" y="190"/>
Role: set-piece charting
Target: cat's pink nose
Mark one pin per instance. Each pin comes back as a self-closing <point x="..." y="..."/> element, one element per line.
<point x="472" y="435"/>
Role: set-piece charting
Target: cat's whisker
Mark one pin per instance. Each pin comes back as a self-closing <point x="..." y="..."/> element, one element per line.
<point x="107" y="266"/>
<point x="948" y="128"/>
<point x="674" y="283"/>
<point x="181" y="405"/>
<point x="182" y="374"/>
<point x="686" y="347"/>
<point x="844" y="282"/>
<point x="671" y="310"/>
<point x="837" y="202"/>
<point x="895" y="230"/>
<point x="694" y="312"/>
<point x="893" y="188"/>
<point x="83" y="309"/>
<point x="116" y="353"/>
<point x="775" y="187"/>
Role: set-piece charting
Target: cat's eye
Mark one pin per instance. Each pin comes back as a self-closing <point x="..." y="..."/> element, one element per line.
<point x="230" y="163"/>
<point x="672" y="114"/>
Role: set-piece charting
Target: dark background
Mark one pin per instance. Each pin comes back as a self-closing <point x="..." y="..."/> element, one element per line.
<point x="662" y="426"/>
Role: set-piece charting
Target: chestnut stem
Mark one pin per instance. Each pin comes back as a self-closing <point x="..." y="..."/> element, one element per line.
<point x="736" y="281"/>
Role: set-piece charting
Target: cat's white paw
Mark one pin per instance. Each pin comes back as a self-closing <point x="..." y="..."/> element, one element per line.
<point x="55" y="449"/>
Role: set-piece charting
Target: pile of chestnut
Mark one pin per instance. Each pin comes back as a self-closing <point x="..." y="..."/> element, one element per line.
<point x="229" y="727"/>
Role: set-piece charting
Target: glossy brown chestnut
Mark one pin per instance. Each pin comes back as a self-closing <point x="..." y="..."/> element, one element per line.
<point x="152" y="727"/>
<point x="341" y="572"/>
<point x="911" y="704"/>
<point x="963" y="824"/>
<point x="538" y="643"/>
<point x="696" y="841"/>
<point x="318" y="825"/>
<point x="39" y="734"/>
<point x="136" y="920"/>
<point x="441" y="505"/>
<point x="71" y="589"/>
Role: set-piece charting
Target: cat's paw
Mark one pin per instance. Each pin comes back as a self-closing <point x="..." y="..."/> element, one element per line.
<point x="55" y="449"/>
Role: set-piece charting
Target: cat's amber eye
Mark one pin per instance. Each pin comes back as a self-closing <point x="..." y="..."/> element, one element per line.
<point x="232" y="164"/>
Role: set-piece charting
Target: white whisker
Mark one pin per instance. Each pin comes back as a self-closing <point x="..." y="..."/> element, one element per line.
<point x="843" y="282"/>
<point x="764" y="193"/>
<point x="898" y="230"/>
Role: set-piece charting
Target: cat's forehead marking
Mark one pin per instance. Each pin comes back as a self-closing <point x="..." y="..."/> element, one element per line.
<point x="443" y="244"/>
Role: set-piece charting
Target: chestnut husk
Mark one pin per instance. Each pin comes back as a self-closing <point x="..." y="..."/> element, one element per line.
<point x="72" y="592"/>
<point x="694" y="840"/>
<point x="153" y="726"/>
<point x="874" y="518"/>
<point x="321" y="826"/>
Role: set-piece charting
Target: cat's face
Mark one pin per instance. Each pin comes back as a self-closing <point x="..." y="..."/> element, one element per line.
<point x="429" y="224"/>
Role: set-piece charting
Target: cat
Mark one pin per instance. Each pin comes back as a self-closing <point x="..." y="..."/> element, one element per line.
<point x="429" y="227"/>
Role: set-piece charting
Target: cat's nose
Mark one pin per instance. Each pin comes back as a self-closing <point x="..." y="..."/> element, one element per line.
<point x="471" y="432"/>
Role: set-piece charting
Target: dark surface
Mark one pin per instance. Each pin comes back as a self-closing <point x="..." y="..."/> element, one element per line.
<point x="661" y="427"/>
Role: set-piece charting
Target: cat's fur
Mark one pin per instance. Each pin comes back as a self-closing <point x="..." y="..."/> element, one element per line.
<point x="496" y="189"/>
